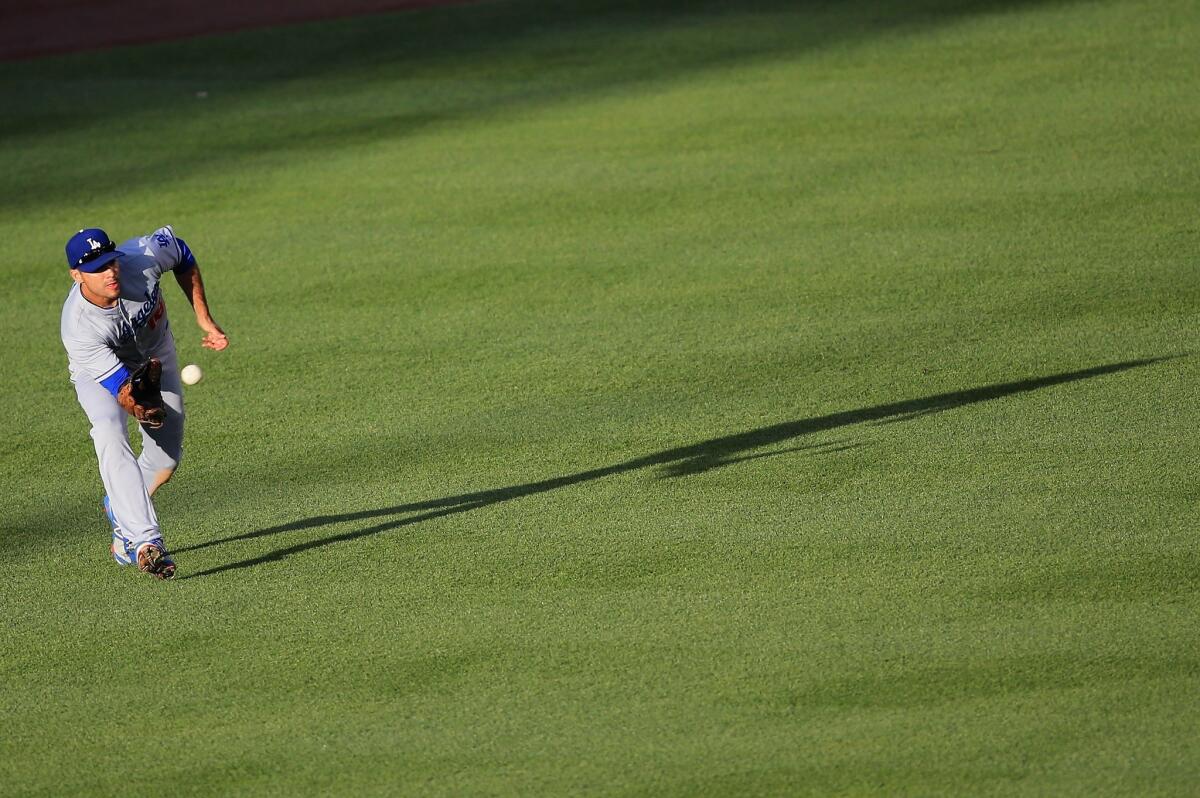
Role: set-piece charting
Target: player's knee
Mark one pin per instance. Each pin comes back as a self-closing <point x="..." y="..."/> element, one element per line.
<point x="161" y="462"/>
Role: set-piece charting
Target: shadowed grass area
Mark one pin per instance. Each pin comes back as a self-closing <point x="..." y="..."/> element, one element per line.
<point x="625" y="399"/>
<point x="453" y="64"/>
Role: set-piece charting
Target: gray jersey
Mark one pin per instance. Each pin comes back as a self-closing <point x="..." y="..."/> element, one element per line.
<point x="104" y="344"/>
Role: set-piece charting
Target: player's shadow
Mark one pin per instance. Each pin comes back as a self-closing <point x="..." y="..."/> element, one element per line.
<point x="681" y="461"/>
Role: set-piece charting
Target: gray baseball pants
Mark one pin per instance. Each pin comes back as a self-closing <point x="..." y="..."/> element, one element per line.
<point x="126" y="477"/>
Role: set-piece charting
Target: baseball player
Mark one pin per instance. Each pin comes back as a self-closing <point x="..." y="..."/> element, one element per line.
<point x="121" y="356"/>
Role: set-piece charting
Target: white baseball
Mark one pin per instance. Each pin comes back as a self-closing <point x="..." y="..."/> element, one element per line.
<point x="191" y="374"/>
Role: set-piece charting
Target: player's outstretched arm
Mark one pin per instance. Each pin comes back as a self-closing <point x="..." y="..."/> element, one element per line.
<point x="193" y="288"/>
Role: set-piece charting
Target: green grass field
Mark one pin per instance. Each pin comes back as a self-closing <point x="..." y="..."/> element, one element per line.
<point x="650" y="398"/>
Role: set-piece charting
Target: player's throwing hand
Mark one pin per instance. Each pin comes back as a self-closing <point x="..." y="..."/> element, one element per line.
<point x="215" y="339"/>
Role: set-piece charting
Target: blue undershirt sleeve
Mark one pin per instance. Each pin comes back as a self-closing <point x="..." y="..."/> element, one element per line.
<point x="186" y="259"/>
<point x="114" y="382"/>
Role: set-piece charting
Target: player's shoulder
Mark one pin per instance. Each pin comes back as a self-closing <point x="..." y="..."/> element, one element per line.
<point x="71" y="303"/>
<point x="161" y="239"/>
<point x="158" y="251"/>
<point x="75" y="315"/>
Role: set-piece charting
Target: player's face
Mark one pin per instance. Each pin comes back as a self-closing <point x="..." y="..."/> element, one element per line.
<point x="102" y="287"/>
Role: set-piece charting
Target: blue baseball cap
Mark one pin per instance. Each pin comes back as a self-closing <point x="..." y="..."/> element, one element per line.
<point x="90" y="250"/>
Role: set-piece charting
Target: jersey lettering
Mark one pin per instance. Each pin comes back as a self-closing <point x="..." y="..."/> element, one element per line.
<point x="151" y="303"/>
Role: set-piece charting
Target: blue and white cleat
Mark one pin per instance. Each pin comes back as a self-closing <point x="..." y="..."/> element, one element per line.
<point x="122" y="550"/>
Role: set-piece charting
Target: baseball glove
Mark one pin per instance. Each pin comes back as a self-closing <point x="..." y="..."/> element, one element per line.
<point x="141" y="397"/>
